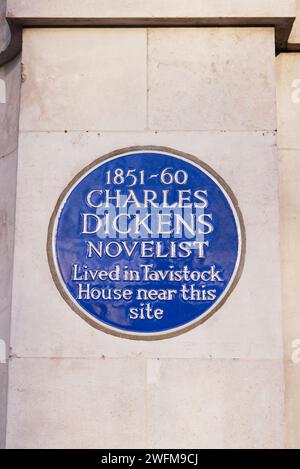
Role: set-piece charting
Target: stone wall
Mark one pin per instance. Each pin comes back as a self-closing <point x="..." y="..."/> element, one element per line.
<point x="288" y="104"/>
<point x="9" y="117"/>
<point x="205" y="91"/>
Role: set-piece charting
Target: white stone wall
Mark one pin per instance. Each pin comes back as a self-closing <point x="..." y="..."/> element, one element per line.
<point x="295" y="34"/>
<point x="150" y="8"/>
<point x="209" y="92"/>
<point x="288" y="104"/>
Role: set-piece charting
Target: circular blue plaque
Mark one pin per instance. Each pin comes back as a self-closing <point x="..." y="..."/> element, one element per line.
<point x="146" y="243"/>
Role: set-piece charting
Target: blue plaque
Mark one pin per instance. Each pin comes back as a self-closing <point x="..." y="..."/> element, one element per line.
<point x="146" y="243"/>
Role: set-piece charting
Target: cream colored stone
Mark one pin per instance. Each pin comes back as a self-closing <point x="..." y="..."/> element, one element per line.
<point x="152" y="8"/>
<point x="99" y="82"/>
<point x="103" y="87"/>
<point x="215" y="404"/>
<point x="292" y="409"/>
<point x="220" y="385"/>
<point x="3" y="402"/>
<point x="248" y="325"/>
<point x="289" y="171"/>
<point x="76" y="404"/>
<point x="288" y="82"/>
<point x="295" y="34"/>
<point x="211" y="78"/>
<point x="288" y="100"/>
<point x="290" y="235"/>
